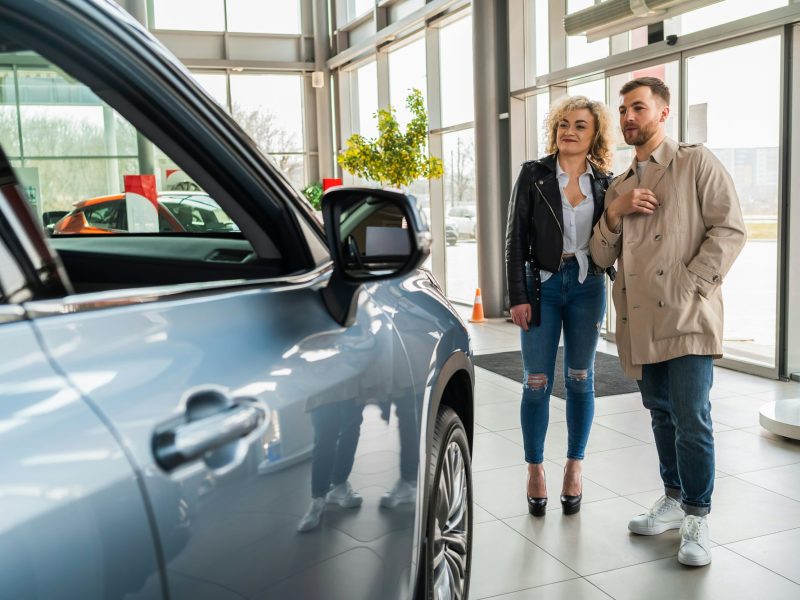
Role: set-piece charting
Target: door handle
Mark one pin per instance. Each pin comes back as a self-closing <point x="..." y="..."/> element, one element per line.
<point x="187" y="442"/>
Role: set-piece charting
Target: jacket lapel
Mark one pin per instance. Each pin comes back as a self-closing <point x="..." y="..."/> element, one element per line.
<point x="552" y="195"/>
<point x="659" y="161"/>
<point x="629" y="181"/>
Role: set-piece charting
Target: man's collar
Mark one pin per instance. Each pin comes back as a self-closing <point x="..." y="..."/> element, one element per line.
<point x="662" y="155"/>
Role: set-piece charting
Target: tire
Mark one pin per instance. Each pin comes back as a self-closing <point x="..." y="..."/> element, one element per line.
<point x="448" y="551"/>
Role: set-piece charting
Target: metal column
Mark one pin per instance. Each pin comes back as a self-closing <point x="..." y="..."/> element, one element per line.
<point x="323" y="94"/>
<point x="489" y="35"/>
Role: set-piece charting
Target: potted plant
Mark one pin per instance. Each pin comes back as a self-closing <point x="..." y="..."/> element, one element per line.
<point x="394" y="158"/>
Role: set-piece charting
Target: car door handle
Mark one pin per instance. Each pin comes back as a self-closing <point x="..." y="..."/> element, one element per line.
<point x="187" y="442"/>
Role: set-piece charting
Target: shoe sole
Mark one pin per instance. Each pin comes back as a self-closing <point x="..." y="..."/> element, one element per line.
<point x="346" y="504"/>
<point x="694" y="562"/>
<point x="655" y="530"/>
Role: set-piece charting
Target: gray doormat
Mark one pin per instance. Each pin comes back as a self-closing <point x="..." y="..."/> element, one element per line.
<point x="609" y="380"/>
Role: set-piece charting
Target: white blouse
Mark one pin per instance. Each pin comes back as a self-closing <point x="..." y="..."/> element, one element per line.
<point x="577" y="221"/>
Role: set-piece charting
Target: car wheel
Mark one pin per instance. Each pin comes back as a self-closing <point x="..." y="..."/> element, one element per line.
<point x="449" y="527"/>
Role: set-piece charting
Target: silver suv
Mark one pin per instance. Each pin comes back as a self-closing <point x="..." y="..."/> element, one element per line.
<point x="265" y="411"/>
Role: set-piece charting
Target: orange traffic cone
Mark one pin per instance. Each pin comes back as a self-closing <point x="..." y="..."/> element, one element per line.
<point x="477" y="309"/>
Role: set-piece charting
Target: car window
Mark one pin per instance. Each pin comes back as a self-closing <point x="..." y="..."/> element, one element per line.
<point x="76" y="156"/>
<point x="105" y="215"/>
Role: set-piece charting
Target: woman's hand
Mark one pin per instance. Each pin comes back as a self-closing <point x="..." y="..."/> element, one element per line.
<point x="521" y="315"/>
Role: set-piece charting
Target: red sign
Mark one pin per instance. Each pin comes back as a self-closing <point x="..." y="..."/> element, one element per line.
<point x="330" y="182"/>
<point x="144" y="185"/>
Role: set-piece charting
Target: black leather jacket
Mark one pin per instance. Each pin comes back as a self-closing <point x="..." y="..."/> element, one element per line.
<point x="535" y="226"/>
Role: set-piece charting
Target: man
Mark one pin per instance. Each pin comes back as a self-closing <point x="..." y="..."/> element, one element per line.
<point x="672" y="222"/>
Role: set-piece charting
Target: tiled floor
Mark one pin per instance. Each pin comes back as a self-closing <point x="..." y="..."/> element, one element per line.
<point x="755" y="522"/>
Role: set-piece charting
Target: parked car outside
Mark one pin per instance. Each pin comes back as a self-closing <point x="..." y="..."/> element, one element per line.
<point x="450" y="233"/>
<point x="176" y="212"/>
<point x="464" y="218"/>
<point x="273" y="411"/>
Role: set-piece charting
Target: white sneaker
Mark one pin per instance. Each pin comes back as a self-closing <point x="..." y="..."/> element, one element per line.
<point x="313" y="515"/>
<point x="665" y="514"/>
<point x="344" y="495"/>
<point x="695" y="547"/>
<point x="403" y="492"/>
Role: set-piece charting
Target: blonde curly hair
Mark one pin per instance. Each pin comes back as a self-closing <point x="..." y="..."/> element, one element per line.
<point x="600" y="152"/>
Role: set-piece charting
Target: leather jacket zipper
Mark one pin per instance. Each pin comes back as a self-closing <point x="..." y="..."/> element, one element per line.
<point x="551" y="209"/>
<point x="552" y="212"/>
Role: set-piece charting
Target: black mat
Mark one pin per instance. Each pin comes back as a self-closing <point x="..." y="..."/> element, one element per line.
<point x="609" y="380"/>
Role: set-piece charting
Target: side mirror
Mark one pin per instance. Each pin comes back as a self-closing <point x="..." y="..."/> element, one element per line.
<point x="372" y="235"/>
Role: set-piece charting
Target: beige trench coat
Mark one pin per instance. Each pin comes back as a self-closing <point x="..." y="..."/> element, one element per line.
<point x="671" y="264"/>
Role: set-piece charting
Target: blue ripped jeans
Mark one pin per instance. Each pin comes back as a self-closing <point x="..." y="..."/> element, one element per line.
<point x="579" y="309"/>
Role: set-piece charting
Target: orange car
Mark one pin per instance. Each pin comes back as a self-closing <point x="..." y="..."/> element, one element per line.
<point x="178" y="212"/>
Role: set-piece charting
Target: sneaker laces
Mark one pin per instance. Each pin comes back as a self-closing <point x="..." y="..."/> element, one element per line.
<point x="660" y="507"/>
<point x="691" y="529"/>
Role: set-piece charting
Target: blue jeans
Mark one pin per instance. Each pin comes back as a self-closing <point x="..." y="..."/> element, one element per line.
<point x="337" y="427"/>
<point x="579" y="309"/>
<point x="676" y="392"/>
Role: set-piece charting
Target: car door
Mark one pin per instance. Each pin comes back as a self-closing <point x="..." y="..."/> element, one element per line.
<point x="229" y="384"/>
<point x="73" y="517"/>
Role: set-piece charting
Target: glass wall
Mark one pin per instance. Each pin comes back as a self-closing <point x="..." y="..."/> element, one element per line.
<point x="366" y="92"/>
<point x="270" y="109"/>
<point x="718" y="14"/>
<point x="460" y="214"/>
<point x="741" y="125"/>
<point x="579" y="50"/>
<point x="406" y="72"/>
<point x="67" y="143"/>
<point x="455" y="56"/>
<point x="245" y="16"/>
<point x="458" y="154"/>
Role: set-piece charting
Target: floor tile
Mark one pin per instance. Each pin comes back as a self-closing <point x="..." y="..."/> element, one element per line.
<point x="573" y="589"/>
<point x="777" y="552"/>
<point x="488" y="393"/>
<point x="728" y="577"/>
<point x="504" y="561"/>
<point x="555" y="444"/>
<point x="495" y="417"/>
<point x="736" y="411"/>
<point x="608" y="405"/>
<point x="743" y="452"/>
<point x="597" y="538"/>
<point x="480" y="514"/>
<point x="625" y="470"/>
<point x="742" y="510"/>
<point x="781" y="480"/>
<point x="502" y="491"/>
<point x="491" y="451"/>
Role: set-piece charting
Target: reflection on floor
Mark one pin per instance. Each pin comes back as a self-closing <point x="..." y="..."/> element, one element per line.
<point x="755" y="522"/>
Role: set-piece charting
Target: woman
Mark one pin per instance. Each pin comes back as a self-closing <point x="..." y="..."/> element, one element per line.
<point x="553" y="284"/>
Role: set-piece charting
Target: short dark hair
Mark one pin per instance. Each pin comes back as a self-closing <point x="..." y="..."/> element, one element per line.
<point x="657" y="87"/>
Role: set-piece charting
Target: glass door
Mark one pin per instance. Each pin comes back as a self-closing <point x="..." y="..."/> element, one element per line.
<point x="733" y="99"/>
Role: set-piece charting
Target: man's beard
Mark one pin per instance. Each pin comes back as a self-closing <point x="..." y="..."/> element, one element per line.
<point x="643" y="134"/>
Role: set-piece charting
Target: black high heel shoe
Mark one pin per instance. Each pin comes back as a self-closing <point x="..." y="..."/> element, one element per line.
<point x="537" y="506"/>
<point x="572" y="504"/>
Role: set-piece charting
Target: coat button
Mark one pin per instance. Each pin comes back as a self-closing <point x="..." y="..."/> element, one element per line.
<point x="541" y="181"/>
<point x="603" y="243"/>
<point x="661" y="303"/>
<point x="715" y="278"/>
<point x="660" y="272"/>
<point x="624" y="319"/>
<point x="623" y="290"/>
<point x="658" y="237"/>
